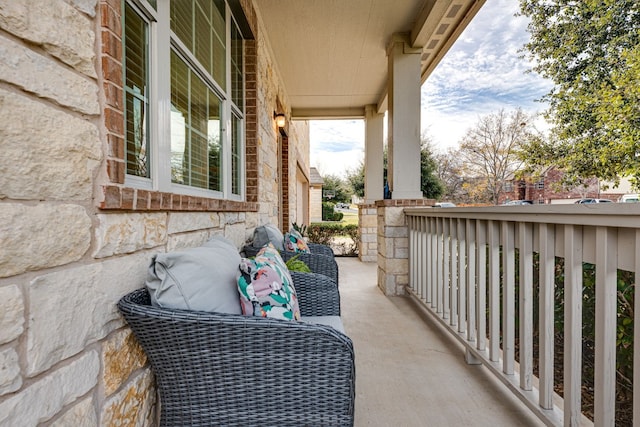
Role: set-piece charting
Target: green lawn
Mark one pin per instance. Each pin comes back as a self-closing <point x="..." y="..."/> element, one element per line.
<point x="349" y="218"/>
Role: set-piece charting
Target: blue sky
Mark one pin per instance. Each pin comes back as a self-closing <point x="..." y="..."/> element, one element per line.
<point x="482" y="73"/>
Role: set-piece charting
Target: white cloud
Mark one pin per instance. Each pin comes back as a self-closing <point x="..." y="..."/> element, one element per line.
<point x="482" y="73"/>
<point x="336" y="145"/>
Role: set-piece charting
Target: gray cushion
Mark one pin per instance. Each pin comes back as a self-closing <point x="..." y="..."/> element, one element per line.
<point x="201" y="279"/>
<point x="268" y="233"/>
<point x="334" y="321"/>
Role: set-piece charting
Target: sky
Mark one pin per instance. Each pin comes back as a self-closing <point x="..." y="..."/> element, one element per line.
<point x="482" y="73"/>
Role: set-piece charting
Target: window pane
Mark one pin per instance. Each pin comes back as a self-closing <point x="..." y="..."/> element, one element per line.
<point x="136" y="93"/>
<point x="198" y="147"/>
<point x="219" y="43"/>
<point x="236" y="153"/>
<point x="214" y="138"/>
<point x="179" y="120"/>
<point x="181" y="21"/>
<point x="237" y="83"/>
<point x="196" y="157"/>
<point x="200" y="25"/>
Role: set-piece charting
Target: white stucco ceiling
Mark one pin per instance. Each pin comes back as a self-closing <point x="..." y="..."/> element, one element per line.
<point x="331" y="54"/>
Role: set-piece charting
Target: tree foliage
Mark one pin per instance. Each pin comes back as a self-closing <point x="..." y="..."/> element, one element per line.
<point x="430" y="185"/>
<point x="355" y="180"/>
<point x="335" y="189"/>
<point x="449" y="172"/>
<point x="590" y="49"/>
<point x="489" y="152"/>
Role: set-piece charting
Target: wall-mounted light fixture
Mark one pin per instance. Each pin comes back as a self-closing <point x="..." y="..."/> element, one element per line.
<point x="280" y="119"/>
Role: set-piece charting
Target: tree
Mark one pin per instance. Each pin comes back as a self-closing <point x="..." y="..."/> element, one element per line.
<point x="430" y="185"/>
<point x="335" y="189"/>
<point x="355" y="179"/>
<point x="489" y="151"/>
<point x="449" y="172"/>
<point x="591" y="51"/>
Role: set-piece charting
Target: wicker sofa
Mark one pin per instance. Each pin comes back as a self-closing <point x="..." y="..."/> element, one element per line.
<point x="226" y="369"/>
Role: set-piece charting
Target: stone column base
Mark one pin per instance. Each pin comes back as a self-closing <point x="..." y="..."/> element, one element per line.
<point x="393" y="244"/>
<point x="368" y="224"/>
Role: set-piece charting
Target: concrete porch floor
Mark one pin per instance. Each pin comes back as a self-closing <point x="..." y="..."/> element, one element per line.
<point x="408" y="372"/>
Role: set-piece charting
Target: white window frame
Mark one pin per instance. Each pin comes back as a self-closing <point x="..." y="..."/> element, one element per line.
<point x="160" y="35"/>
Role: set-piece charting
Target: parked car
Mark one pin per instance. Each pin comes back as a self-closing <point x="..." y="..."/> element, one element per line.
<point x="589" y="201"/>
<point x="518" y="202"/>
<point x="629" y="198"/>
<point x="444" y="205"/>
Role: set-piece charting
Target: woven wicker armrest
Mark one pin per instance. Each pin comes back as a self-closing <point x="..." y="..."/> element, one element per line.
<point x="317" y="263"/>
<point x="222" y="369"/>
<point x="315" y="248"/>
<point x="317" y="294"/>
<point x="320" y="264"/>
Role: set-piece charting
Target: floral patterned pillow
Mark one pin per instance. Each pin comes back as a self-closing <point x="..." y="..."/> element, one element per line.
<point x="266" y="288"/>
<point x="294" y="242"/>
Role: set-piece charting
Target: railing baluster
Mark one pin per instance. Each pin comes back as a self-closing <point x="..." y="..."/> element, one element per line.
<point x="481" y="237"/>
<point x="429" y="280"/>
<point x="423" y="261"/>
<point x="453" y="271"/>
<point x="525" y="240"/>
<point x="446" y="276"/>
<point x="546" y="304"/>
<point x="434" y="263"/>
<point x="413" y="258"/>
<point x="471" y="279"/>
<point x="441" y="256"/>
<point x="414" y="245"/>
<point x="605" y="363"/>
<point x="462" y="283"/>
<point x="494" y="291"/>
<point x="636" y="333"/>
<point x="572" y="324"/>
<point x="508" y="299"/>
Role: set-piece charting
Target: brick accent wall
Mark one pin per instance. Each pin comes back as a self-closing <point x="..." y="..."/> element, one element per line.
<point x="285" y="183"/>
<point x="115" y="195"/>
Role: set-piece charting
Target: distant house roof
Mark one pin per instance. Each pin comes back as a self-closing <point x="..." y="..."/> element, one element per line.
<point x="314" y="177"/>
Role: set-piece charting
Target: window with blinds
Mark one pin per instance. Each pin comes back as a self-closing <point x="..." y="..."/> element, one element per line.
<point x="136" y="75"/>
<point x="201" y="147"/>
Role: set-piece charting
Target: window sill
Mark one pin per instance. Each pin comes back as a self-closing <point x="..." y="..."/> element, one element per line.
<point x="133" y="199"/>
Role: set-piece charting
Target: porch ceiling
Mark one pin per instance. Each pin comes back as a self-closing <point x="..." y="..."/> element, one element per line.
<point x="331" y="54"/>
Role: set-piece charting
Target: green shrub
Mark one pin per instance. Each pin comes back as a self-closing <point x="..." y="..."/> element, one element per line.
<point x="329" y="213"/>
<point x="324" y="233"/>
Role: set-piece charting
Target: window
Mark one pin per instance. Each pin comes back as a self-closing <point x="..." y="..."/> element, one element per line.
<point x="183" y="68"/>
<point x="136" y="64"/>
<point x="540" y="184"/>
<point x="508" y="186"/>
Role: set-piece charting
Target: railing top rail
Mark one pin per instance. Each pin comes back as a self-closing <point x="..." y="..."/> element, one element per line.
<point x="606" y="215"/>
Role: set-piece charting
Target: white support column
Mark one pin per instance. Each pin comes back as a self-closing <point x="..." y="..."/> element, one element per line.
<point x="373" y="155"/>
<point x="404" y="118"/>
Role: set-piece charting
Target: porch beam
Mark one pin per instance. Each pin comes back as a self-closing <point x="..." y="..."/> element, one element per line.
<point x="328" y="113"/>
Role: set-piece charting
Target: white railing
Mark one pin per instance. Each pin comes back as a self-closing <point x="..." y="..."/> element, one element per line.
<point x="462" y="270"/>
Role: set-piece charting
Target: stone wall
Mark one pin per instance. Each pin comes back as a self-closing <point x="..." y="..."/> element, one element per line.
<point x="393" y="244"/>
<point x="66" y="355"/>
<point x="368" y="223"/>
